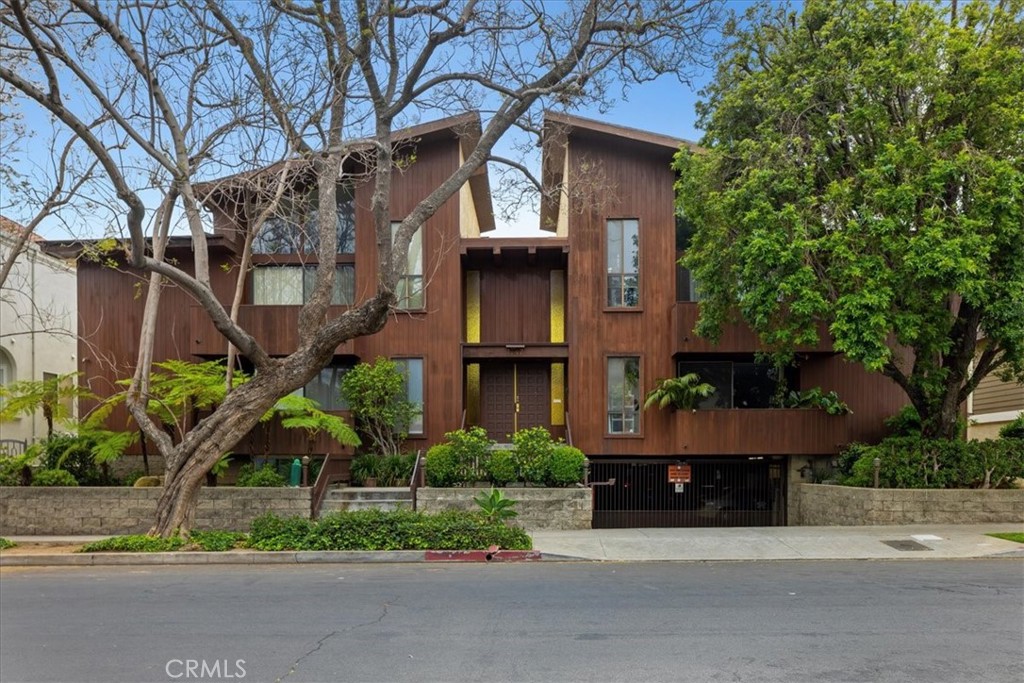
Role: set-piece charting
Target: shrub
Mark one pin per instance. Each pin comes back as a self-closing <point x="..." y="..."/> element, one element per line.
<point x="494" y="506"/>
<point x="379" y="530"/>
<point x="1013" y="430"/>
<point x="471" y="449"/>
<point x="5" y="544"/>
<point x="54" y="478"/>
<point x="366" y="466"/>
<point x="564" y="466"/>
<point x="376" y="395"/>
<point x="266" y="476"/>
<point x="906" y="422"/>
<point x="501" y="467"/>
<point x="12" y="469"/>
<point x="217" y="541"/>
<point x="75" y="455"/>
<point x="914" y="462"/>
<point x="137" y="543"/>
<point x="442" y="468"/>
<point x="396" y="470"/>
<point x="532" y="451"/>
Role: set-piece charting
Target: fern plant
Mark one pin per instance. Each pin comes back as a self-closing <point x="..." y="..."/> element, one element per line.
<point x="682" y="393"/>
<point x="299" y="412"/>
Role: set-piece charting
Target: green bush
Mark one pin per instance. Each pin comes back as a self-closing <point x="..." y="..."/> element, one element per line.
<point x="73" y="454"/>
<point x="265" y="477"/>
<point x="217" y="541"/>
<point x="501" y="467"/>
<point x="564" y="466"/>
<point x="914" y="462"/>
<point x="532" y="451"/>
<point x="5" y="544"/>
<point x="471" y="448"/>
<point x="379" y="530"/>
<point x="136" y="543"/>
<point x="442" y="467"/>
<point x="904" y="423"/>
<point x="1013" y="430"/>
<point x="12" y="469"/>
<point x="366" y="466"/>
<point x="376" y="395"/>
<point x="396" y="470"/>
<point x="53" y="478"/>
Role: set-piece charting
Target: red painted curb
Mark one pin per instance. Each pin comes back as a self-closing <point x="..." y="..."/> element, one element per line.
<point x="482" y="555"/>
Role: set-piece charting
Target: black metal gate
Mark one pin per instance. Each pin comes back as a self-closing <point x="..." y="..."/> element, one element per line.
<point x="721" y="492"/>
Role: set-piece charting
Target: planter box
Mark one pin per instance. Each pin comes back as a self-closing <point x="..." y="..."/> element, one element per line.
<point x="538" y="508"/>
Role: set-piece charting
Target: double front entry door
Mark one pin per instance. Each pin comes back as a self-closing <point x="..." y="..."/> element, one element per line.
<point x="514" y="396"/>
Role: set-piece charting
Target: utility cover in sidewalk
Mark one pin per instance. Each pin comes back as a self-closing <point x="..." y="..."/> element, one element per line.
<point x="906" y="545"/>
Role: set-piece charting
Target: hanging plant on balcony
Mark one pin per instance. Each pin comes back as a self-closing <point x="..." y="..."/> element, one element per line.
<point x="680" y="393"/>
<point x="816" y="398"/>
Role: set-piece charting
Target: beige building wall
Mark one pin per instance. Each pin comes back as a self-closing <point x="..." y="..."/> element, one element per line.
<point x="38" y="326"/>
<point x="993" y="404"/>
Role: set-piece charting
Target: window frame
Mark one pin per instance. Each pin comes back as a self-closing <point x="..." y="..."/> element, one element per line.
<point x="402" y="284"/>
<point x="622" y="308"/>
<point x="298" y="219"/>
<point x="305" y="269"/>
<point x="402" y="362"/>
<point x="638" y="400"/>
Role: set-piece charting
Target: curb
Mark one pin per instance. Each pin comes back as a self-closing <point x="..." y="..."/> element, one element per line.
<point x="283" y="557"/>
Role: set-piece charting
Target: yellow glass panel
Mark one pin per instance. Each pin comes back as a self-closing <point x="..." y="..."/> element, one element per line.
<point x="473" y="394"/>
<point x="557" y="307"/>
<point x="557" y="394"/>
<point x="473" y="307"/>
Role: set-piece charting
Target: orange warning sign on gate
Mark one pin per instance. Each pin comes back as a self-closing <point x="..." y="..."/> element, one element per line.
<point x="679" y="474"/>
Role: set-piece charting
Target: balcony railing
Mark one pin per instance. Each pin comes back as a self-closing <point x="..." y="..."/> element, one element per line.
<point x="772" y="431"/>
<point x="735" y="338"/>
<point x="276" y="328"/>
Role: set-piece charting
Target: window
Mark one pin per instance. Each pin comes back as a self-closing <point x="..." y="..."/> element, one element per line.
<point x="6" y="372"/>
<point x="686" y="286"/>
<point x="624" y="395"/>
<point x="295" y="230"/>
<point x="410" y="282"/>
<point x="739" y="384"/>
<point x="325" y="388"/>
<point x="623" y="258"/>
<point x="412" y="370"/>
<point x="293" y="285"/>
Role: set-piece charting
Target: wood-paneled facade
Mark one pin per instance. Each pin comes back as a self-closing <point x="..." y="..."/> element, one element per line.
<point x="516" y="332"/>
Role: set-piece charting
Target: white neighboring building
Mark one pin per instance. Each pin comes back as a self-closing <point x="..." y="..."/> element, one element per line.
<point x="38" y="323"/>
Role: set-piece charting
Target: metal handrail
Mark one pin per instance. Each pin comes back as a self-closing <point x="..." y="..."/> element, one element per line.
<point x="568" y="429"/>
<point x="320" y="486"/>
<point x="463" y="424"/>
<point x="414" y="480"/>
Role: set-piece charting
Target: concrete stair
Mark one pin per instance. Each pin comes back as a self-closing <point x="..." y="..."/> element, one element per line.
<point x="350" y="498"/>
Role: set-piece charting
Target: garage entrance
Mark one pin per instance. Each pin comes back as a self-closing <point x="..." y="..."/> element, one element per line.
<point x="721" y="492"/>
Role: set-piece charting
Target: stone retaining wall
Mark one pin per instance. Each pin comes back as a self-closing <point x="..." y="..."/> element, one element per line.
<point x="538" y="508"/>
<point x="824" y="505"/>
<point x="89" y="510"/>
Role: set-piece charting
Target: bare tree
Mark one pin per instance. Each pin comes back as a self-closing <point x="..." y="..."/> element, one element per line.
<point x="186" y="91"/>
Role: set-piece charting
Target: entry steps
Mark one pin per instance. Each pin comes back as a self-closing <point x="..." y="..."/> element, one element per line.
<point x="366" y="498"/>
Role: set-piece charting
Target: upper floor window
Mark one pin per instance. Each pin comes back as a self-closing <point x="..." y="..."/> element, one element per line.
<point x="623" y="262"/>
<point x="293" y="285"/>
<point x="740" y="384"/>
<point x="295" y="229"/>
<point x="687" y="288"/>
<point x="624" y="395"/>
<point x="412" y="371"/>
<point x="410" y="282"/>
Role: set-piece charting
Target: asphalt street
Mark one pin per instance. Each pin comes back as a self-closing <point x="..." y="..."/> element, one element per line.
<point x="909" y="620"/>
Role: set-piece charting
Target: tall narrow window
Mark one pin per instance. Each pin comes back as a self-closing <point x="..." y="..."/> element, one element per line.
<point x="624" y="395"/>
<point x="623" y="261"/>
<point x="410" y="282"/>
<point x="412" y="370"/>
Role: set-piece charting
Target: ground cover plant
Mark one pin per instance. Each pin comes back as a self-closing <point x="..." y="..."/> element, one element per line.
<point x="5" y="544"/>
<point x="210" y="541"/>
<point x="1009" y="536"/>
<point x="380" y="530"/>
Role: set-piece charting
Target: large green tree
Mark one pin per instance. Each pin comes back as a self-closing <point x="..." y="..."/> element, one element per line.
<point x="864" y="166"/>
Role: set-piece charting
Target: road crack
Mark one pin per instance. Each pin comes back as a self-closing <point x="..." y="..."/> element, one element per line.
<point x="320" y="643"/>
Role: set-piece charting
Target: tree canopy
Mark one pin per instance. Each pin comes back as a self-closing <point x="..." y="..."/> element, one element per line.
<point x="864" y="166"/>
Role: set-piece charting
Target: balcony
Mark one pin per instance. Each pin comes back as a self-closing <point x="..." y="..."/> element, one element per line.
<point x="276" y="328"/>
<point x="736" y="338"/>
<point x="771" y="431"/>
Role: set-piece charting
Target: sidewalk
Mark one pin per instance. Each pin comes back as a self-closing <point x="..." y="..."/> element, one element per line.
<point x="780" y="543"/>
<point x="750" y="544"/>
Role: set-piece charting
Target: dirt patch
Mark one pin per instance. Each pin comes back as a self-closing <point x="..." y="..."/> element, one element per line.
<point x="42" y="549"/>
